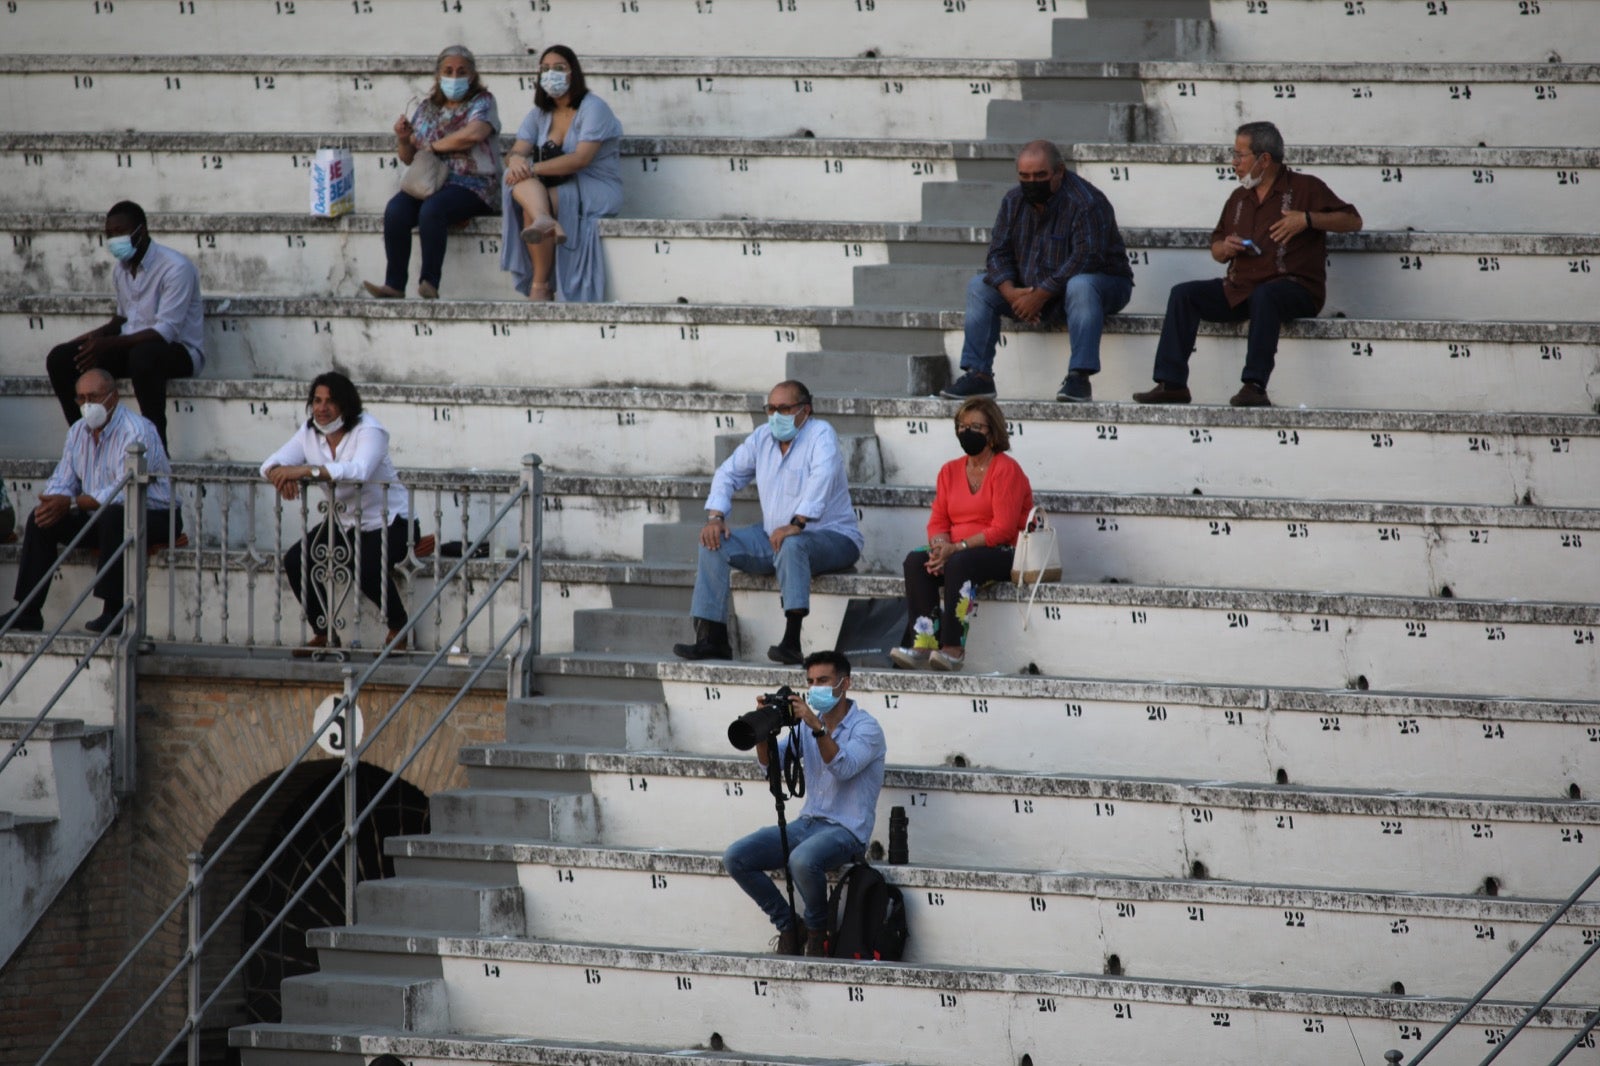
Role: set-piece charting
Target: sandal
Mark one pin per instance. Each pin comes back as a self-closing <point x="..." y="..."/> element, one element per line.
<point x="542" y="227"/>
<point x="382" y="292"/>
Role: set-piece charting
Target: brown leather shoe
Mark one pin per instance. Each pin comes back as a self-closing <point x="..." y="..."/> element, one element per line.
<point x="317" y="642"/>
<point x="382" y="292"/>
<point x="1250" y="395"/>
<point x="816" y="943"/>
<point x="787" y="942"/>
<point x="1163" y="393"/>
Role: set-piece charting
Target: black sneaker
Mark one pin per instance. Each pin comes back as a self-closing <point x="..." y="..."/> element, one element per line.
<point x="969" y="386"/>
<point x="22" y="621"/>
<point x="1075" y="388"/>
<point x="787" y="654"/>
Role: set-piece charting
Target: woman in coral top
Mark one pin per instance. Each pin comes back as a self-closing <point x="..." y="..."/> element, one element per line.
<point x="979" y="506"/>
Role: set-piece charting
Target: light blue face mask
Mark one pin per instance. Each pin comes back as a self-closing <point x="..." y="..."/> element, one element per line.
<point x="555" y="82"/>
<point x="782" y="426"/>
<point x="821" y="698"/>
<point x="454" y="88"/>
<point x="122" y="248"/>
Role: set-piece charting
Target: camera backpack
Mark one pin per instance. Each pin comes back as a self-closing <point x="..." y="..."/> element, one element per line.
<point x="872" y="922"/>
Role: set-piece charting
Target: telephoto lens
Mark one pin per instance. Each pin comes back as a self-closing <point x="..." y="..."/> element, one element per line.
<point x="899" y="848"/>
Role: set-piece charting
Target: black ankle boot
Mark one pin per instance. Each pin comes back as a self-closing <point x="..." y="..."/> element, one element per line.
<point x="787" y="651"/>
<point x="710" y="642"/>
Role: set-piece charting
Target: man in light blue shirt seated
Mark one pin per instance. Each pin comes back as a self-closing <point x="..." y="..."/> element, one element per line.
<point x="842" y="750"/>
<point x="157" y="332"/>
<point x="87" y="487"/>
<point x="808" y="525"/>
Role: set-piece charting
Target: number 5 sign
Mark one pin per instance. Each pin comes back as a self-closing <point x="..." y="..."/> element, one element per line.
<point x="340" y="733"/>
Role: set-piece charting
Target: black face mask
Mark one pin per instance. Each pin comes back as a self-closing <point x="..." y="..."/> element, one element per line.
<point x="972" y="442"/>
<point x="1036" y="192"/>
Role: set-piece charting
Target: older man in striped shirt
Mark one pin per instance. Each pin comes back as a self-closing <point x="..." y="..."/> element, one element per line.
<point x="1055" y="254"/>
<point x="87" y="487"/>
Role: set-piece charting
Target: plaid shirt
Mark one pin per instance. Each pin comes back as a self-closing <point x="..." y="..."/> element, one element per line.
<point x="1076" y="233"/>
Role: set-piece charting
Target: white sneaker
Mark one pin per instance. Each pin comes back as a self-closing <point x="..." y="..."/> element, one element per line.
<point x="943" y="660"/>
<point x="910" y="658"/>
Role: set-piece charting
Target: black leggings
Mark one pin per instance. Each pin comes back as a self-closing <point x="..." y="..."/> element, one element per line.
<point x="977" y="565"/>
<point x="377" y="582"/>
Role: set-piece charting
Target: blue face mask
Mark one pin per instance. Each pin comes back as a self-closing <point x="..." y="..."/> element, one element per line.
<point x="454" y="88"/>
<point x="122" y="248"/>
<point x="821" y="698"/>
<point x="782" y="426"/>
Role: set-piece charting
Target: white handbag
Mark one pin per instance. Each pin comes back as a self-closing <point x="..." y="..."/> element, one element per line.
<point x="1037" y="559"/>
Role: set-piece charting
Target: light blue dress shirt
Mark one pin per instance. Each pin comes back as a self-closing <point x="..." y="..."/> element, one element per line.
<point x="844" y="791"/>
<point x="163" y="295"/>
<point x="809" y="480"/>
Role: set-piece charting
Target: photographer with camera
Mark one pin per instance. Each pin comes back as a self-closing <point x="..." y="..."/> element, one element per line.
<point x="835" y="743"/>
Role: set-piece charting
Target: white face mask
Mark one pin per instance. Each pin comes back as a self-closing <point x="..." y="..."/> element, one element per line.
<point x="1252" y="179"/>
<point x="555" y="82"/>
<point x="96" y="414"/>
<point x="332" y="427"/>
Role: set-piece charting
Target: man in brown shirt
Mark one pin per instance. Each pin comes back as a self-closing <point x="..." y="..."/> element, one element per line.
<point x="1271" y="236"/>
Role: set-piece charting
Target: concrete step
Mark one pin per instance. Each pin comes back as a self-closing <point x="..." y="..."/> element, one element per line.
<point x="888" y="373"/>
<point x="634" y="724"/>
<point x="1068" y="120"/>
<point x="442" y="906"/>
<point x="1178" y="930"/>
<point x="304" y="1045"/>
<point x="676" y="543"/>
<point x="1139" y="827"/>
<point x="631" y="630"/>
<point x="1316" y="738"/>
<point x="1325" y="362"/>
<point x="1398" y="276"/>
<point x="392" y="1002"/>
<point x="988" y="1008"/>
<point x="1424" y="188"/>
<point x="522" y="813"/>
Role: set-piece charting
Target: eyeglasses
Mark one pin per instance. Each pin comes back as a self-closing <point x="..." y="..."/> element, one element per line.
<point x="92" y="397"/>
<point x="784" y="409"/>
<point x="981" y="427"/>
<point x="1237" y="155"/>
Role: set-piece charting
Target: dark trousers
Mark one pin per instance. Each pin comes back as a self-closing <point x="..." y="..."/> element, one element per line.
<point x="376" y="580"/>
<point x="40" y="544"/>
<point x="432" y="219"/>
<point x="148" y="366"/>
<point x="1193" y="302"/>
<point x="977" y="565"/>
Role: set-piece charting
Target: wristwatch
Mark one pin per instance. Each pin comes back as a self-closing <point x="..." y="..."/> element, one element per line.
<point x="316" y="473"/>
<point x="798" y="521"/>
<point x="819" y="733"/>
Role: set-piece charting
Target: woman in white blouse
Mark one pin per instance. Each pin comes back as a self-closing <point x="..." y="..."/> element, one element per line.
<point x="341" y="444"/>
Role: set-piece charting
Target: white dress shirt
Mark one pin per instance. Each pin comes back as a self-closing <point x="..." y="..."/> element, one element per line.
<point x="366" y="483"/>
<point x="163" y="295"/>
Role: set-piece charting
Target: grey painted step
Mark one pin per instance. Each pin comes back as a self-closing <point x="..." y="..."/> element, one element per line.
<point x="522" y="813"/>
<point x="300" y="1045"/>
<point x="672" y="542"/>
<point x="891" y="373"/>
<point x="634" y="724"/>
<point x="443" y="906"/>
<point x="912" y="285"/>
<point x="628" y="630"/>
<point x="527" y="767"/>
<point x="970" y="202"/>
<point x="1147" y="9"/>
<point x="862" y="458"/>
<point x="1065" y="120"/>
<point x="1132" y="36"/>
<point x="410" y="1003"/>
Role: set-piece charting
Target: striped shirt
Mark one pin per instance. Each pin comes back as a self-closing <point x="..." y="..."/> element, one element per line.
<point x="93" y="466"/>
<point x="163" y="294"/>
<point x="1076" y="233"/>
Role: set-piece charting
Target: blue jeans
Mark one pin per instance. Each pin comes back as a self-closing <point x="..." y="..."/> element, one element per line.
<point x="1089" y="298"/>
<point x="432" y="219"/>
<point x="815" y="847"/>
<point x="748" y="549"/>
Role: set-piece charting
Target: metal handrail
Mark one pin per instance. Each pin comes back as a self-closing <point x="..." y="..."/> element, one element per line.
<point x="527" y="497"/>
<point x="1482" y="993"/>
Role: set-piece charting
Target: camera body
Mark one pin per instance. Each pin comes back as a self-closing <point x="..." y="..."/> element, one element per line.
<point x="774" y="712"/>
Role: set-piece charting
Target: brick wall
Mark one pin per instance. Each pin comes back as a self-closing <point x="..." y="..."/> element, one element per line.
<point x="204" y="744"/>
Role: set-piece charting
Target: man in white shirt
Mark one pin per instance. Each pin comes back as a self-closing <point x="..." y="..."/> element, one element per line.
<point x="808" y="525"/>
<point x="157" y="332"/>
<point x="87" y="482"/>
